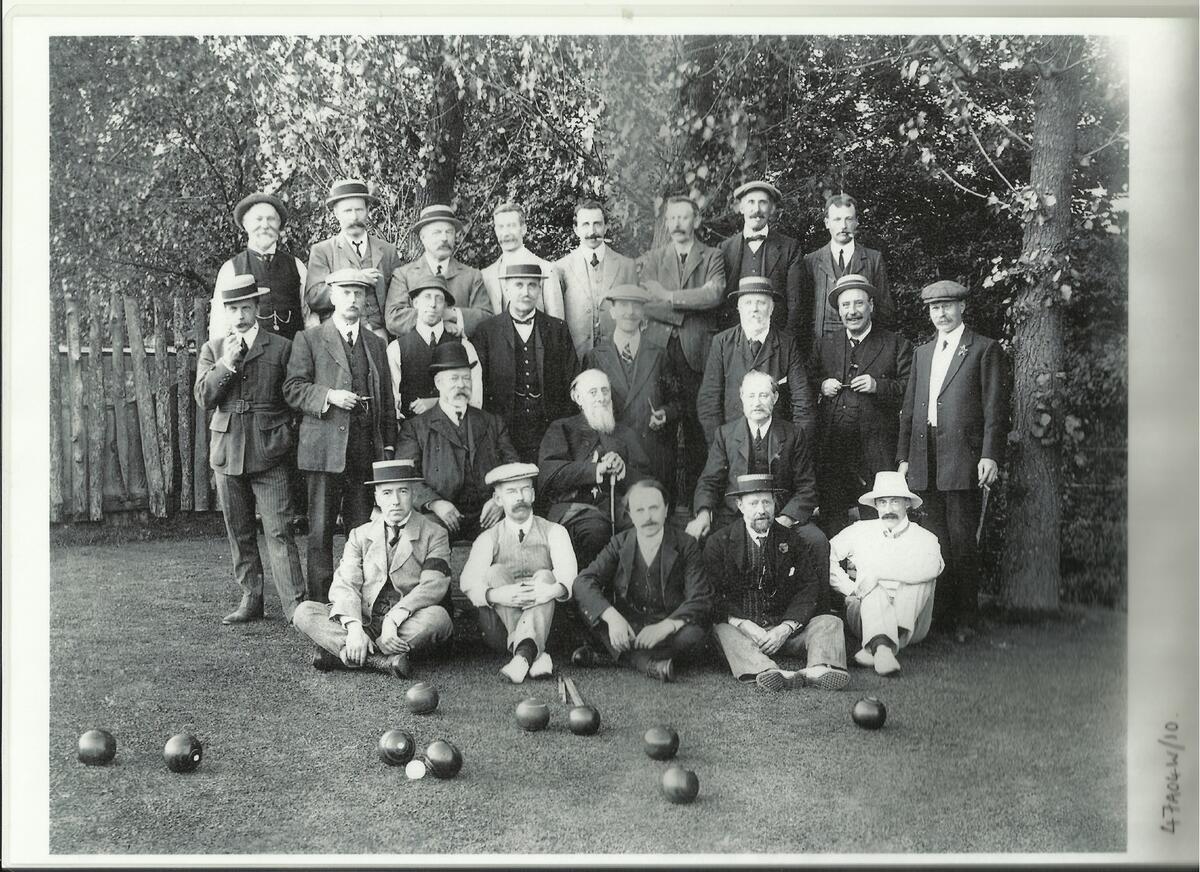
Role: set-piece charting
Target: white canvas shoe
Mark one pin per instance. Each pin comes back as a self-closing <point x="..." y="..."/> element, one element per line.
<point x="863" y="657"/>
<point x="885" y="661"/>
<point x="516" y="669"/>
<point x="542" y="667"/>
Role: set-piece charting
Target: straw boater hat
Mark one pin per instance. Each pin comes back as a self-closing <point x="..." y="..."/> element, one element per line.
<point x="348" y="276"/>
<point x="523" y="271"/>
<point x="450" y="355"/>
<point x="511" y="472"/>
<point x="758" y="185"/>
<point x="943" y="291"/>
<point x="755" y="285"/>
<point x="344" y="188"/>
<point x="243" y="206"/>
<point x="753" y="484"/>
<point x="436" y="212"/>
<point x="633" y="293"/>
<point x="393" y="471"/>
<point x="431" y="282"/>
<point x="851" y="282"/>
<point x="234" y="289"/>
<point x="890" y="484"/>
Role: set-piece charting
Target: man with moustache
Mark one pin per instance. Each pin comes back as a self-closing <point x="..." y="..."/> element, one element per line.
<point x="508" y="220"/>
<point x="456" y="445"/>
<point x="686" y="279"/>
<point x="338" y="378"/>
<point x="388" y="591"/>
<point x="762" y="250"/>
<point x="586" y="463"/>
<point x="240" y="377"/>
<point x="645" y="387"/>
<point x="754" y="344"/>
<point x="772" y="597"/>
<point x="350" y="201"/>
<point x="516" y="572"/>
<point x="282" y="311"/>
<point x="863" y="373"/>
<point x="953" y="427"/>
<point x="843" y="255"/>
<point x="439" y="230"/>
<point x="651" y="591"/>
<point x="528" y="361"/>
<point x="409" y="356"/>
<point x="587" y="274"/>
<point x="895" y="565"/>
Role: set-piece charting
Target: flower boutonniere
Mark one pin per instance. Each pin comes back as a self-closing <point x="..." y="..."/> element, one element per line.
<point x="962" y="351"/>
<point x="783" y="548"/>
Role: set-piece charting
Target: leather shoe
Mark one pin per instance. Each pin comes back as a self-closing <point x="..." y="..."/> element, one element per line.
<point x="585" y="657"/>
<point x="323" y="661"/>
<point x="249" y="609"/>
<point x="395" y="665"/>
<point x="659" y="670"/>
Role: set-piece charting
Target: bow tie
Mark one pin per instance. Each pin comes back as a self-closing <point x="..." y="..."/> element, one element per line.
<point x="758" y="237"/>
<point x="524" y="322"/>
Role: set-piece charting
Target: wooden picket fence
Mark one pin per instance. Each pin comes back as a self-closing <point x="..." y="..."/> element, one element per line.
<point x="126" y="436"/>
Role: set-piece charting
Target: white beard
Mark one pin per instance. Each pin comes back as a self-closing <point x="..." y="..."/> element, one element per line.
<point x="600" y="418"/>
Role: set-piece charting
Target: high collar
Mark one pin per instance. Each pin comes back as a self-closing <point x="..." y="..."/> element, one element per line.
<point x="864" y="335"/>
<point x="270" y="249"/>
<point x="249" y="336"/>
<point x="430" y="334"/>
<point x="761" y="336"/>
<point x="897" y="531"/>
<point x="599" y="251"/>
<point x="848" y="248"/>
<point x="344" y="327"/>
<point x="519" y="528"/>
<point x="954" y="337"/>
<point x="747" y="232"/>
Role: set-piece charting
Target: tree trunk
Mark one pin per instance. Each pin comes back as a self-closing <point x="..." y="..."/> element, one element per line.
<point x="79" y="479"/>
<point x="1033" y="547"/>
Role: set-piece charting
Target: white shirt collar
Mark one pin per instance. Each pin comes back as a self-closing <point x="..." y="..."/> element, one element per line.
<point x="848" y="248"/>
<point x="864" y="335"/>
<point x="760" y="537"/>
<point x="434" y="264"/>
<point x="450" y="411"/>
<point x="747" y="232"/>
<point x="270" y="249"/>
<point x="346" y="239"/>
<point x="524" y="253"/>
<point x="761" y="336"/>
<point x="683" y="249"/>
<point x="345" y="328"/>
<point x="250" y="335"/>
<point x="403" y="523"/>
<point x="517" y="528"/>
<point x="599" y="251"/>
<point x="763" y="428"/>
<point x="898" y="530"/>
<point x="428" y="333"/>
<point x="954" y="337"/>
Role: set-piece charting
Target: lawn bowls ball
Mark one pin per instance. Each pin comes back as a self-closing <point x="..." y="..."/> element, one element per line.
<point x="183" y="752"/>
<point x="97" y="747"/>
<point x="583" y="720"/>
<point x="396" y="747"/>
<point x="679" y="785"/>
<point x="532" y="715"/>
<point x="660" y="743"/>
<point x="869" y="713"/>
<point x="443" y="759"/>
<point x="421" y="698"/>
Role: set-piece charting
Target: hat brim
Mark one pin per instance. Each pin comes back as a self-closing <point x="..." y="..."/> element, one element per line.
<point x="442" y="367"/>
<point x="252" y="294"/>
<point x="244" y="205"/>
<point x="834" y="296"/>
<point x="942" y="300"/>
<point x="417" y="225"/>
<point x="541" y="276"/>
<point x="740" y="492"/>
<point x="628" y="299"/>
<point x="868" y="499"/>
<point x="773" y="294"/>
<point x="415" y="292"/>
<point x="765" y="187"/>
<point x="408" y="479"/>
<point x="371" y="199"/>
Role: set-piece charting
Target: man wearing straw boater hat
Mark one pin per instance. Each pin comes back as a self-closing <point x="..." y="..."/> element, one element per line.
<point x="439" y="230"/>
<point x="862" y="373"/>
<point x="508" y="220"/>
<point x="350" y="201"/>
<point x="240" y="377"/>
<point x="772" y="596"/>
<point x="754" y="344"/>
<point x="388" y="594"/>
<point x="516" y="572"/>
<point x="339" y="379"/>
<point x="528" y="361"/>
<point x="282" y="310"/>
<point x="895" y="565"/>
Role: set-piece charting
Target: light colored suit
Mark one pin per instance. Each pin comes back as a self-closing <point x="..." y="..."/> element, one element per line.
<point x="330" y="255"/>
<point x="551" y="301"/>
<point x="583" y="289"/>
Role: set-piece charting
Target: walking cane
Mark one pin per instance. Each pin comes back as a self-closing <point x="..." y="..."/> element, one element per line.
<point x="987" y="491"/>
<point x="612" y="500"/>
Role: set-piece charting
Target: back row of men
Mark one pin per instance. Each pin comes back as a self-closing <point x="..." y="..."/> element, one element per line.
<point x="595" y="396"/>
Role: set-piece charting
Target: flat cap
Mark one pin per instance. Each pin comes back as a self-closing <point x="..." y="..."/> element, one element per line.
<point x="758" y="185"/>
<point x="943" y="291"/>
<point x="511" y="472"/>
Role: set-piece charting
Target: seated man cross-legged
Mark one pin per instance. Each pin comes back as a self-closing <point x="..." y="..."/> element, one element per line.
<point x="387" y="592"/>
<point x="772" y="596"/>
<point x="516" y="572"/>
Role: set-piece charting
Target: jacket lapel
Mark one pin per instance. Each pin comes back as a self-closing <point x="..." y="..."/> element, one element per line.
<point x="774" y="249"/>
<point x="666" y="558"/>
<point x="628" y="556"/>
<point x="376" y="246"/>
<point x="443" y="425"/>
<point x="869" y="349"/>
<point x="737" y="544"/>
<point x="737" y="242"/>
<point x="956" y="360"/>
<point x="825" y="263"/>
<point x="404" y="548"/>
<point x="741" y="439"/>
<point x="258" y="348"/>
<point x="333" y="344"/>
<point x="774" y="446"/>
<point x="858" y="261"/>
<point x="610" y="362"/>
<point x="374" y="564"/>
<point x="644" y="365"/>
<point x="690" y="264"/>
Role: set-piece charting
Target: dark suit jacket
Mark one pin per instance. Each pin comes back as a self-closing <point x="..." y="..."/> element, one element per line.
<point x="330" y="255"/>
<point x="443" y="455"/>
<point x="687" y="591"/>
<point x="825" y="319"/>
<point x="783" y="264"/>
<point x="888" y="357"/>
<point x="972" y="414"/>
<point x="246" y="440"/>
<point x="698" y="295"/>
<point x="464" y="283"/>
<point x="797" y="585"/>
<point x="567" y="470"/>
<point x="790" y="459"/>
<point x="719" y="400"/>
<point x="495" y="341"/>
<point x="319" y="362"/>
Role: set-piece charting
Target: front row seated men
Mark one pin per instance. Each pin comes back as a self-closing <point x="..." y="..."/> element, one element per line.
<point x="773" y="596"/>
<point x="516" y="572"/>
<point x="387" y="592"/>
<point x="890" y="602"/>
<point x="649" y="588"/>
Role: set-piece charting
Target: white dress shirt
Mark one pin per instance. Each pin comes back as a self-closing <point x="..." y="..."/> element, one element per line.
<point x="248" y="337"/>
<point x="847" y="252"/>
<point x="649" y="546"/>
<point x="758" y="243"/>
<point x="761" y="430"/>
<point x="349" y="331"/>
<point x="943" y="352"/>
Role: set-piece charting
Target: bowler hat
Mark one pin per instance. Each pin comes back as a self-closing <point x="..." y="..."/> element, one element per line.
<point x="523" y="271"/>
<point x="239" y="287"/>
<point x="889" y="484"/>
<point x="943" y="291"/>
<point x="450" y="355"/>
<point x="344" y="188"/>
<point x="850" y="282"/>
<point x="755" y="285"/>
<point x="758" y="185"/>
<point x="436" y="212"/>
<point x="431" y="282"/>
<point x="511" y="472"/>
<point x="633" y="293"/>
<point x="348" y="276"/>
<point x="753" y="484"/>
<point x="244" y="204"/>
<point x="391" y="471"/>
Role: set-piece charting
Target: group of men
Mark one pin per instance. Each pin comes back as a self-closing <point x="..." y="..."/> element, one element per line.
<point x="534" y="410"/>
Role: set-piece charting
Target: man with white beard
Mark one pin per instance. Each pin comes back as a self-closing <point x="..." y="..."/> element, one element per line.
<point x="587" y="463"/>
<point x="508" y="220"/>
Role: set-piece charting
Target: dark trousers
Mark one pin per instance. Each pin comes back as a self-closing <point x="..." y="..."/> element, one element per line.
<point x="842" y="478"/>
<point x="328" y="494"/>
<point x="695" y="449"/>
<point x="953" y="516"/>
<point x="685" y="645"/>
<point x="590" y="529"/>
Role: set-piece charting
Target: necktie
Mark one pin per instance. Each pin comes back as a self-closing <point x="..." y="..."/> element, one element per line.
<point x="841" y="260"/>
<point x="520" y="535"/>
<point x="350" y="338"/>
<point x="461" y="416"/>
<point x="758" y="441"/>
<point x="945" y="344"/>
<point x="755" y="347"/>
<point x="627" y="353"/>
<point x="595" y="259"/>
<point x="758" y="237"/>
<point x="439" y="270"/>
<point x="357" y="247"/>
<point x="854" y="343"/>
<point x="433" y="340"/>
<point x="682" y="258"/>
<point x="395" y="537"/>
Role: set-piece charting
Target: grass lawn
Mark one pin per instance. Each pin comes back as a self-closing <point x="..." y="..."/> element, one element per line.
<point x="1015" y="742"/>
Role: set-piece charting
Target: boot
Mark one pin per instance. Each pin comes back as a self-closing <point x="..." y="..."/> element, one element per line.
<point x="249" y="609"/>
<point x="395" y="665"/>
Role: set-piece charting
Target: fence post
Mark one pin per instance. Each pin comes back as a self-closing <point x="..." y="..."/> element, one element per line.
<point x="79" y="479"/>
<point x="120" y="401"/>
<point x="163" y="376"/>
<point x="145" y="410"/>
<point x="184" y="401"/>
<point x="200" y="473"/>
<point x="97" y="425"/>
<point x="56" y="458"/>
